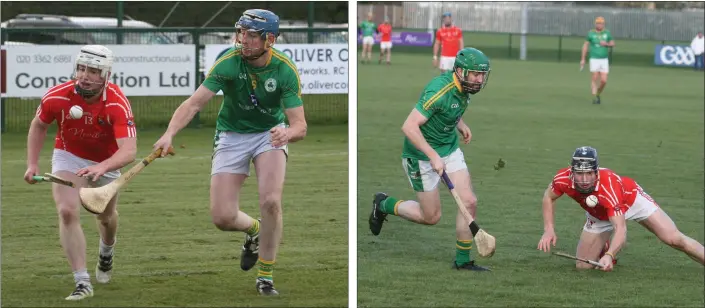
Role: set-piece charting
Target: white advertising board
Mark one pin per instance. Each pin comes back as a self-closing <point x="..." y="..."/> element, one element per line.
<point x="323" y="68"/>
<point x="140" y="70"/>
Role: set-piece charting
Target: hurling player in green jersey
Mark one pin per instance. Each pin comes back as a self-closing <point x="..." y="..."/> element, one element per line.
<point x="368" y="29"/>
<point x="598" y="42"/>
<point x="431" y="148"/>
<point x="261" y="88"/>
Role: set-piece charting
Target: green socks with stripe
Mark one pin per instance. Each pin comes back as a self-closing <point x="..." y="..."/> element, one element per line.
<point x="388" y="205"/>
<point x="265" y="269"/>
<point x="462" y="251"/>
<point x="252" y="231"/>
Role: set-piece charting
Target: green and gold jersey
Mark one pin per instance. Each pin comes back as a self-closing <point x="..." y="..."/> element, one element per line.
<point x="593" y="38"/>
<point x="443" y="104"/>
<point x="254" y="97"/>
<point x="368" y="28"/>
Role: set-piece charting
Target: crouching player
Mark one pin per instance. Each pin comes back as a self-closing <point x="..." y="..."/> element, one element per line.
<point x="618" y="199"/>
<point x="89" y="151"/>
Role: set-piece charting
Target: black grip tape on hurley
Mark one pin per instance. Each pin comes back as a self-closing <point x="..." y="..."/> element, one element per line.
<point x="474" y="228"/>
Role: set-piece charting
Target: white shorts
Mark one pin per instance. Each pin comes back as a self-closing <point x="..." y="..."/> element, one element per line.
<point x="66" y="161"/>
<point x="599" y="65"/>
<point x="385" y="45"/>
<point x="233" y="152"/>
<point x="642" y="208"/>
<point x="368" y="40"/>
<point x="446" y="63"/>
<point x="423" y="178"/>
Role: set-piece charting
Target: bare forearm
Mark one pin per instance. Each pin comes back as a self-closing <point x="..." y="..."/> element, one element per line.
<point x="618" y="240"/>
<point x="35" y="140"/>
<point x="123" y="157"/>
<point x="414" y="134"/>
<point x="584" y="53"/>
<point x="436" y="46"/>
<point x="548" y="205"/>
<point x="182" y="116"/>
<point x="297" y="132"/>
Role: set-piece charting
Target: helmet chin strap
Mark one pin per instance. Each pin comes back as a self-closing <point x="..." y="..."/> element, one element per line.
<point x="86" y="94"/>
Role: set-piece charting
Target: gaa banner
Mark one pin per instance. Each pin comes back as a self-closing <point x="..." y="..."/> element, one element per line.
<point x="420" y="39"/>
<point x="674" y="55"/>
<point x="139" y="70"/>
<point x="323" y="68"/>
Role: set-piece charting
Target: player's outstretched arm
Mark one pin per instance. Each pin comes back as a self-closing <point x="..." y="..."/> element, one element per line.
<point x="619" y="236"/>
<point x="586" y="45"/>
<point x="549" y="234"/>
<point x="126" y="154"/>
<point x="188" y="109"/>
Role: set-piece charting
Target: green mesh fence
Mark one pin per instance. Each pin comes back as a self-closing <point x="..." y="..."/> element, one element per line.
<point x="156" y="111"/>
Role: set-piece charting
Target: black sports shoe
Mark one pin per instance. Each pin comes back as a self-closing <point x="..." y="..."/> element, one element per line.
<point x="250" y="251"/>
<point x="104" y="268"/>
<point x="596" y="100"/>
<point x="470" y="266"/>
<point x="377" y="217"/>
<point x="266" y="287"/>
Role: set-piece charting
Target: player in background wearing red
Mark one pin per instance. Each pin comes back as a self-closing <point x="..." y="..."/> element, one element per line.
<point x="385" y="45"/>
<point x="619" y="199"/>
<point x="449" y="39"/>
<point x="89" y="151"/>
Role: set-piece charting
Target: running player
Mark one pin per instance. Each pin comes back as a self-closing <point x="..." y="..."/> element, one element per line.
<point x="89" y="151"/>
<point x="260" y="86"/>
<point x="368" y="29"/>
<point x="449" y="39"/>
<point x="431" y="147"/>
<point x="597" y="43"/>
<point x="385" y="44"/>
<point x="619" y="199"/>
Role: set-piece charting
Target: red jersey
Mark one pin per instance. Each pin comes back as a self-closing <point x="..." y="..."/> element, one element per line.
<point x="615" y="194"/>
<point x="450" y="40"/>
<point x="386" y="31"/>
<point x="93" y="136"/>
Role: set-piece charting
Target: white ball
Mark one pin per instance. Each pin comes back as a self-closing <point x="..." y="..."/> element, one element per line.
<point x="76" y="112"/>
<point x="591" y="200"/>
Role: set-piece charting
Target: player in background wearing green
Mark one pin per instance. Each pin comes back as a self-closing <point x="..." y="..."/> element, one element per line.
<point x="260" y="85"/>
<point x="598" y="42"/>
<point x="368" y="29"/>
<point x="431" y="147"/>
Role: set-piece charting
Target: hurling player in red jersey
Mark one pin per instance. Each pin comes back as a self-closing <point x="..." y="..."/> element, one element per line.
<point x="449" y="39"/>
<point x="89" y="150"/>
<point x="618" y="199"/>
<point x="385" y="44"/>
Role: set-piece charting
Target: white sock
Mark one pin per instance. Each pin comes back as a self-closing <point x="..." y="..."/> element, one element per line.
<point x="82" y="276"/>
<point x="106" y="250"/>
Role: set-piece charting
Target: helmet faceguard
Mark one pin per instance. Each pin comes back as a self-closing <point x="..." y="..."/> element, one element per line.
<point x="97" y="57"/>
<point x="584" y="169"/>
<point x="264" y="24"/>
<point x="472" y="69"/>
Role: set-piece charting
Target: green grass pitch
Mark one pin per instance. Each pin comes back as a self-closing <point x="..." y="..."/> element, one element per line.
<point x="533" y="115"/>
<point x="168" y="251"/>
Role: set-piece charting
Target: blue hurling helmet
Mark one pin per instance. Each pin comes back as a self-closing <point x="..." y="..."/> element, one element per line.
<point x="261" y="21"/>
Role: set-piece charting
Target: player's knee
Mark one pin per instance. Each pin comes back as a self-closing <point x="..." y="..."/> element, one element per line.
<point x="68" y="214"/>
<point x="583" y="266"/>
<point x="105" y="218"/>
<point x="271" y="205"/>
<point x="470" y="203"/>
<point x="432" y="218"/>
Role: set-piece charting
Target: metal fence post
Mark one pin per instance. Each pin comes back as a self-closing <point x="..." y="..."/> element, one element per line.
<point x="3" y="116"/>
<point x="560" y="48"/>
<point x="310" y="21"/>
<point x="195" y="33"/>
<point x="120" y="16"/>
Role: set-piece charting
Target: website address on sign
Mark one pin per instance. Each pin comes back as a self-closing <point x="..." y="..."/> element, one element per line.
<point x="152" y="59"/>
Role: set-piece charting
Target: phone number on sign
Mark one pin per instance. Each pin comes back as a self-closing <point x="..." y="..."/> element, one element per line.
<point x="45" y="59"/>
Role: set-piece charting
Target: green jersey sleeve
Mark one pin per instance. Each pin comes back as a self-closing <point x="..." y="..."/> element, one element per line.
<point x="291" y="86"/>
<point x="220" y="73"/>
<point x="430" y="101"/>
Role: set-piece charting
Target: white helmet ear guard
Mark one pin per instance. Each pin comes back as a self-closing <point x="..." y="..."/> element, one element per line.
<point x="96" y="56"/>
